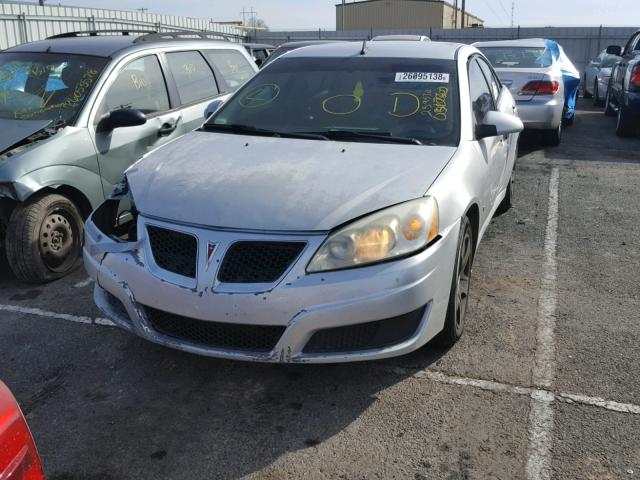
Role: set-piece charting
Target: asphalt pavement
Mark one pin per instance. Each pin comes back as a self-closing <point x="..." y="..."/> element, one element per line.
<point x="544" y="383"/>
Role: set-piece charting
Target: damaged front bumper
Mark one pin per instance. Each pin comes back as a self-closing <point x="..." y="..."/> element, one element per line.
<point x="348" y="307"/>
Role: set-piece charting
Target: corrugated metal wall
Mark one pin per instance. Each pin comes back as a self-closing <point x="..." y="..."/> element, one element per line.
<point x="389" y="14"/>
<point x="20" y="22"/>
<point x="581" y="43"/>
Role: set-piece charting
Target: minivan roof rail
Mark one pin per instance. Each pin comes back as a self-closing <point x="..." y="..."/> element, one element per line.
<point x="149" y="35"/>
<point x="95" y="33"/>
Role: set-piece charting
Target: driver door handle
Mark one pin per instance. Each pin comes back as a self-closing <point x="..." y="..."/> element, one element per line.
<point x="167" y="129"/>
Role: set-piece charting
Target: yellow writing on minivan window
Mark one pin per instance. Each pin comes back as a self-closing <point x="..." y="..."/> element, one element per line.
<point x="189" y="68"/>
<point x="260" y="96"/>
<point x="139" y="82"/>
<point x="344" y="104"/>
<point x="405" y="104"/>
<point x="434" y="103"/>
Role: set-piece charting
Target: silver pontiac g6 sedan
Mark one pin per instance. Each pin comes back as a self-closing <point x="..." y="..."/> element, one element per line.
<point x="328" y="212"/>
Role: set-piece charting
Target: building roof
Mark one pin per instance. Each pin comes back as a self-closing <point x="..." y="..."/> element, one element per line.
<point x="357" y="2"/>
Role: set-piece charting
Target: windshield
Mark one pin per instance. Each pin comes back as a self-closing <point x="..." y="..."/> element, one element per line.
<point x="516" y="57"/>
<point x="46" y="86"/>
<point x="414" y="99"/>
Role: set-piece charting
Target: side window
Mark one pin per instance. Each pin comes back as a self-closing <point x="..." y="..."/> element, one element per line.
<point x="233" y="66"/>
<point x="494" y="83"/>
<point x="637" y="47"/>
<point x="632" y="43"/>
<point x="194" y="78"/>
<point x="481" y="98"/>
<point x="139" y="85"/>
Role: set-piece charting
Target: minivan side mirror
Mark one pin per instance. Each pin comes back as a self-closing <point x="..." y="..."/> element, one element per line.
<point x="124" y="117"/>
<point x="614" y="50"/>
<point x="498" y="123"/>
<point x="212" y="108"/>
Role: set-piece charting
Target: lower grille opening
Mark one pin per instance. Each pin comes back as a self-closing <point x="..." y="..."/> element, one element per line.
<point x="242" y="337"/>
<point x="365" y="336"/>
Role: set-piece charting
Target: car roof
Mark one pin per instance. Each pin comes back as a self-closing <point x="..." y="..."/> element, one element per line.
<point x="109" y="45"/>
<point x="393" y="49"/>
<point x="389" y="38"/>
<point x="525" y="42"/>
<point x="304" y="43"/>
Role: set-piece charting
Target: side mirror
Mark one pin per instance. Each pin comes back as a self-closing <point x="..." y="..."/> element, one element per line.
<point x="212" y="108"/>
<point x="498" y="123"/>
<point x="124" y="117"/>
<point x="614" y="50"/>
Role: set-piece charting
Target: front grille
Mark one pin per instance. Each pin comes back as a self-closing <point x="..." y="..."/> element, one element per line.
<point x="258" y="262"/>
<point x="174" y="251"/>
<point x="365" y="336"/>
<point x="251" y="338"/>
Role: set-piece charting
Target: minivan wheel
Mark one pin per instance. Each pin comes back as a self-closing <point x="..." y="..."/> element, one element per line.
<point x="460" y="286"/>
<point x="586" y="92"/>
<point x="625" y="126"/>
<point x="44" y="239"/>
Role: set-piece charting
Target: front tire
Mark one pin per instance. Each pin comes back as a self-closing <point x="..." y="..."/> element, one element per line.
<point x="460" y="286"/>
<point x="44" y="239"/>
<point x="586" y="92"/>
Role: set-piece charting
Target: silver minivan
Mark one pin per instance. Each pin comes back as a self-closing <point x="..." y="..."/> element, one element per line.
<point x="76" y="110"/>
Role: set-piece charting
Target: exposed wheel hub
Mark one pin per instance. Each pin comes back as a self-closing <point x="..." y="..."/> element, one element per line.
<point x="56" y="239"/>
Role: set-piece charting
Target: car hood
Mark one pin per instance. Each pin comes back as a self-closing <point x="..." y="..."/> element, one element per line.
<point x="14" y="131"/>
<point x="277" y="184"/>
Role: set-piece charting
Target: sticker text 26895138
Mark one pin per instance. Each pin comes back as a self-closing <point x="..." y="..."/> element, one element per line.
<point x="422" y="77"/>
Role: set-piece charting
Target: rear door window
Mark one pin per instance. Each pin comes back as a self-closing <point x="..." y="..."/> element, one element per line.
<point x="232" y="66"/>
<point x="193" y="76"/>
<point x="139" y="85"/>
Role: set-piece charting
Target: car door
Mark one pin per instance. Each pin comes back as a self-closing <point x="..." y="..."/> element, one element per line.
<point x="494" y="149"/>
<point x="139" y="85"/>
<point x="195" y="84"/>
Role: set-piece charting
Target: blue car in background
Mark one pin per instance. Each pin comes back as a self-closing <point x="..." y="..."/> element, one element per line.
<point x="623" y="95"/>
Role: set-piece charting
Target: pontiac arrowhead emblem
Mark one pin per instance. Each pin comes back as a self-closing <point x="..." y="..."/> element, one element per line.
<point x="211" y="249"/>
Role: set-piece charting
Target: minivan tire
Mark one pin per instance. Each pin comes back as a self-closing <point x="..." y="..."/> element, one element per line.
<point x="609" y="110"/>
<point x="44" y="239"/>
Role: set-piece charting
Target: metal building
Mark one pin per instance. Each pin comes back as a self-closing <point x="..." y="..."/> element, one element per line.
<point x="401" y="14"/>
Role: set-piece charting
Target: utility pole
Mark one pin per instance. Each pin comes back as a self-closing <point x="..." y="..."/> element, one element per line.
<point x="462" y="23"/>
<point x="513" y="16"/>
<point x="244" y="15"/>
<point x="455" y="14"/>
<point x="142" y="10"/>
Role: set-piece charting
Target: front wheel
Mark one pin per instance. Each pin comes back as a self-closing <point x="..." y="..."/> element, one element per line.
<point x="44" y="239"/>
<point x="460" y="286"/>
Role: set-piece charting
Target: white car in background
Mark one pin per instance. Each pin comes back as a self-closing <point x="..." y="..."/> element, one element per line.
<point x="597" y="75"/>
<point x="533" y="69"/>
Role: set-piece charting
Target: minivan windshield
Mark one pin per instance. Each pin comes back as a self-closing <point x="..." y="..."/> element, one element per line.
<point x="46" y="86"/>
<point x="517" y="57"/>
<point x="358" y="99"/>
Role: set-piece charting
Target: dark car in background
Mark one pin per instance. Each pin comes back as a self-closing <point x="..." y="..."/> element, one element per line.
<point x="287" y="47"/>
<point x="259" y="52"/>
<point x="623" y="95"/>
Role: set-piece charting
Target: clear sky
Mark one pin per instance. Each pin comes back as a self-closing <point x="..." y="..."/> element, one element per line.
<point x="313" y="14"/>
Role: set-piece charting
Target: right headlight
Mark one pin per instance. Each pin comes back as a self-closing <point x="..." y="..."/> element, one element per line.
<point x="394" y="232"/>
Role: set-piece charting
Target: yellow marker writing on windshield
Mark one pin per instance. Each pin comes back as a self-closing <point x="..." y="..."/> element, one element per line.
<point x="402" y="104"/>
<point x="339" y="105"/>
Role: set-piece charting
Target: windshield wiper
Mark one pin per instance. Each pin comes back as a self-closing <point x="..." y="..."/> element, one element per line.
<point x="250" y="130"/>
<point x="388" y="137"/>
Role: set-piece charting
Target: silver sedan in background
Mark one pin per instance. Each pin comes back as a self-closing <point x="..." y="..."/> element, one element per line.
<point x="597" y="75"/>
<point x="536" y="83"/>
<point x="328" y="212"/>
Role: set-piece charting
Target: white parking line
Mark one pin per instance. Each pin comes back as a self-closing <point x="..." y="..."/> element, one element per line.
<point x="60" y="316"/>
<point x="541" y="411"/>
<point x="84" y="283"/>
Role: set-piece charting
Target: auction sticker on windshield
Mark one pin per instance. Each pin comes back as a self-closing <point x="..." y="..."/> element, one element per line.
<point x="422" y="77"/>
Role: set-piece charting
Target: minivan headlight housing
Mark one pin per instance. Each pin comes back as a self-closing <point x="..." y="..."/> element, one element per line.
<point x="390" y="233"/>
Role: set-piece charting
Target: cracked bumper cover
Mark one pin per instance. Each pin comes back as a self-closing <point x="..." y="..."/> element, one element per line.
<point x="303" y="303"/>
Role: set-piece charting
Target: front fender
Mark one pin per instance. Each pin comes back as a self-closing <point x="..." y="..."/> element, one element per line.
<point x="81" y="179"/>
